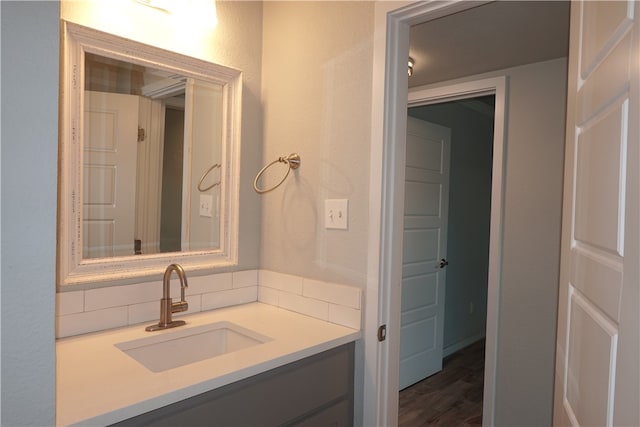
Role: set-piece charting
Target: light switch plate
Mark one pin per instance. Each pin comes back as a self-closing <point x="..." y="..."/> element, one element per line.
<point x="336" y="213"/>
<point x="206" y="205"/>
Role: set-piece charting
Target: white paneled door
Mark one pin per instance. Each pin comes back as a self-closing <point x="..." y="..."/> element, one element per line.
<point x="598" y="347"/>
<point x="424" y="250"/>
<point x="110" y="152"/>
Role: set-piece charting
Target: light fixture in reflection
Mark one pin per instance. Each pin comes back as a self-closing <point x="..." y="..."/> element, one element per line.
<point x="410" y="69"/>
<point x="188" y="12"/>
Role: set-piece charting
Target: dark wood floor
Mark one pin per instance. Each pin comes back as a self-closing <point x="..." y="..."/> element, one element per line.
<point x="452" y="397"/>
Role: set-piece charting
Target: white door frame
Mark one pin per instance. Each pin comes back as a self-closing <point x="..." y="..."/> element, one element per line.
<point x="386" y="192"/>
<point x="493" y="86"/>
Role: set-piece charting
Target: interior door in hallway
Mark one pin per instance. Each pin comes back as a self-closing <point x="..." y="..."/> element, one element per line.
<point x="110" y="153"/>
<point x="424" y="250"/>
<point x="598" y="344"/>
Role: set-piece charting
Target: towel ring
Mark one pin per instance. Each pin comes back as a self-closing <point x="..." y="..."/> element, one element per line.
<point x="292" y="161"/>
<point x="205" y="175"/>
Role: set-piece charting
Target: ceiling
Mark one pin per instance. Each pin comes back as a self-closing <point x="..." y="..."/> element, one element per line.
<point x="489" y="37"/>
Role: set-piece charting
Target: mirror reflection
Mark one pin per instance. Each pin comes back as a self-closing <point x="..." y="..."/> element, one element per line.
<point x="152" y="150"/>
<point x="149" y="160"/>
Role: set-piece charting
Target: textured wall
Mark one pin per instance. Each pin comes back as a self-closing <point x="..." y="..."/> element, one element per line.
<point x="30" y="49"/>
<point x="530" y="264"/>
<point x="317" y="77"/>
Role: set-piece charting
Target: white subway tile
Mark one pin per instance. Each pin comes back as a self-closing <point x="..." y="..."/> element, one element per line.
<point x="345" y="316"/>
<point x="348" y="296"/>
<point x="209" y="283"/>
<point x="307" y="306"/>
<point x="115" y="296"/>
<point x="144" y="312"/>
<point x="242" y="279"/>
<point x="69" y="302"/>
<point x="269" y="296"/>
<point x="265" y="277"/>
<point x="227" y="298"/>
<point x="93" y="310"/>
<point x="283" y="282"/>
<point x="268" y="279"/>
<point x="91" y="321"/>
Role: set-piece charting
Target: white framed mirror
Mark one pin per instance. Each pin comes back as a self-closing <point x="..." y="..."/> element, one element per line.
<point x="149" y="160"/>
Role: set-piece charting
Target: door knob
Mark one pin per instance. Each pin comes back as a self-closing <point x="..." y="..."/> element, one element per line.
<point x="443" y="263"/>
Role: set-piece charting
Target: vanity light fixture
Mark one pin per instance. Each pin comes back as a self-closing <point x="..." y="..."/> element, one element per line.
<point x="410" y="69"/>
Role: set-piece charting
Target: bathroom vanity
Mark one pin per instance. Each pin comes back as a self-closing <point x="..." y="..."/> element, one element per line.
<point x="299" y="371"/>
<point x="242" y="365"/>
<point x="317" y="390"/>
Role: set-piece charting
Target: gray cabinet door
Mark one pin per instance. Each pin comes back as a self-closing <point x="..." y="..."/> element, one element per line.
<point x="316" y="391"/>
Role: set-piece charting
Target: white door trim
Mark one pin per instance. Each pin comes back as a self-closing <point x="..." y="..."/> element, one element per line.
<point x="386" y="191"/>
<point x="497" y="86"/>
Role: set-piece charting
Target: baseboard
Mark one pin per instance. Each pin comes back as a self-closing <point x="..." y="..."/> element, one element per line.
<point x="450" y="349"/>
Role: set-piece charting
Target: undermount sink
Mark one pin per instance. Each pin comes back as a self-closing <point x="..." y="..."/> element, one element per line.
<point x="184" y="346"/>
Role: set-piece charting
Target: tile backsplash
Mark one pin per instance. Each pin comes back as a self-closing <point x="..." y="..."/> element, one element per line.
<point x="80" y="312"/>
<point x="326" y="301"/>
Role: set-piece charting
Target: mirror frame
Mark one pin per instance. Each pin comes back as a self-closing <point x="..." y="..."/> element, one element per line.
<point x="73" y="269"/>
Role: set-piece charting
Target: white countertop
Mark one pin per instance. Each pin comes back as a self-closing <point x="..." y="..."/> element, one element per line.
<point x="98" y="384"/>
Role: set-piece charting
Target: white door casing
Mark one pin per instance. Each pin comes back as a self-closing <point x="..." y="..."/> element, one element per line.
<point x="149" y="174"/>
<point x="498" y="87"/>
<point x="598" y="342"/>
<point x="386" y="193"/>
<point x="426" y="204"/>
<point x="110" y="152"/>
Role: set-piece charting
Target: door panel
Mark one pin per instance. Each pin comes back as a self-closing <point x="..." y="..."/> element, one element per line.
<point x="424" y="341"/>
<point x="420" y="247"/>
<point x="601" y="24"/>
<point x="420" y="206"/>
<point x="424" y="244"/>
<point x="593" y="277"/>
<point x="592" y="346"/>
<point x="110" y="153"/>
<point x="413" y="293"/>
<point x="598" y="344"/>
<point x="600" y="187"/>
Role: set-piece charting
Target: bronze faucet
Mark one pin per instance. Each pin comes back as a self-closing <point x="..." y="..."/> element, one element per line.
<point x="167" y="307"/>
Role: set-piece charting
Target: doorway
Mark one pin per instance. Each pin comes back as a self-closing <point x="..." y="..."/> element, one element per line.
<point x="444" y="286"/>
<point x="385" y="291"/>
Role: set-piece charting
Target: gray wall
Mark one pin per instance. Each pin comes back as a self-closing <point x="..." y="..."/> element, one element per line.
<point x="30" y="55"/>
<point x="469" y="219"/>
<point x="172" y="172"/>
<point x="317" y="84"/>
<point x="531" y="251"/>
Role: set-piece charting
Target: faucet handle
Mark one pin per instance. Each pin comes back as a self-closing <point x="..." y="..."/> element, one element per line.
<point x="180" y="306"/>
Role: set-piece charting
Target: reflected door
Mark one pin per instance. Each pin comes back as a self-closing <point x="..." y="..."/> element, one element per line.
<point x="424" y="245"/>
<point x="110" y="138"/>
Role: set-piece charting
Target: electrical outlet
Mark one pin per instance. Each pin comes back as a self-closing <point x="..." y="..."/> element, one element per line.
<point x="206" y="205"/>
<point x="336" y="213"/>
